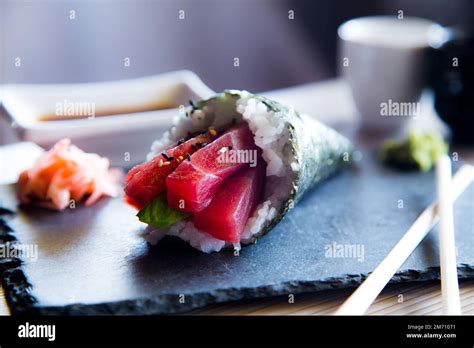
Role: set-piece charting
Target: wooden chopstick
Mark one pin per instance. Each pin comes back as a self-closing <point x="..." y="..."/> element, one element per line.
<point x="447" y="249"/>
<point x="367" y="292"/>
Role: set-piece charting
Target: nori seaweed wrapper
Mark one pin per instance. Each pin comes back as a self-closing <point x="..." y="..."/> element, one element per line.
<point x="318" y="150"/>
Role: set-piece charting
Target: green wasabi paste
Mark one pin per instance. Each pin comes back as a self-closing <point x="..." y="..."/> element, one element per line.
<point x="417" y="152"/>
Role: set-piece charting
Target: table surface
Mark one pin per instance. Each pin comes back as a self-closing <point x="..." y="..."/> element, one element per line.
<point x="419" y="298"/>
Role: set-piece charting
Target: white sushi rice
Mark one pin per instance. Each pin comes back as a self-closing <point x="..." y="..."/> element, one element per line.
<point x="270" y="134"/>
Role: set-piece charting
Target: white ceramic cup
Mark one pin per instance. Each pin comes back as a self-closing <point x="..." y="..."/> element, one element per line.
<point x="383" y="59"/>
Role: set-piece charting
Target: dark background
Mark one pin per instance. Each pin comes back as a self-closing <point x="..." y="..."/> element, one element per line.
<point x="273" y="51"/>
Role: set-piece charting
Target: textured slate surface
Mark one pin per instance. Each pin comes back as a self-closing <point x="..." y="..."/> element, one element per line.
<point x="92" y="260"/>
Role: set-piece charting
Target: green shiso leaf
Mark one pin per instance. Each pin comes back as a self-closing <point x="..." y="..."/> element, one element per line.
<point x="158" y="214"/>
<point x="418" y="151"/>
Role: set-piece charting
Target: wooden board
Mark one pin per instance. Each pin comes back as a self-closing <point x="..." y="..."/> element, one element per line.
<point x="413" y="298"/>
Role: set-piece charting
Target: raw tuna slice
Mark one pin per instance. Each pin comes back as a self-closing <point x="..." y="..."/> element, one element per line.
<point x="147" y="180"/>
<point x="193" y="184"/>
<point x="234" y="201"/>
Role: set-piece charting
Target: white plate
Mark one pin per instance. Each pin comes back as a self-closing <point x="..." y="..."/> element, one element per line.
<point x="124" y="138"/>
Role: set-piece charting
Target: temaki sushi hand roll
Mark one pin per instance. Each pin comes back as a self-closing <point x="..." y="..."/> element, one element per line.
<point x="230" y="169"/>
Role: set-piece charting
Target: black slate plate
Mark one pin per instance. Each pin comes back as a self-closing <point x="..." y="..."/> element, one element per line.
<point x="92" y="260"/>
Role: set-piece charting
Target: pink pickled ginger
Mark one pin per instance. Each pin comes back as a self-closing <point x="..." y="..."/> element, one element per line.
<point x="66" y="173"/>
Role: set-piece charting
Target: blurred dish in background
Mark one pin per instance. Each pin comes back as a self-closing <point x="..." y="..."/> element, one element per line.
<point x="383" y="60"/>
<point x="19" y="156"/>
<point x="138" y="111"/>
<point x="452" y="79"/>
